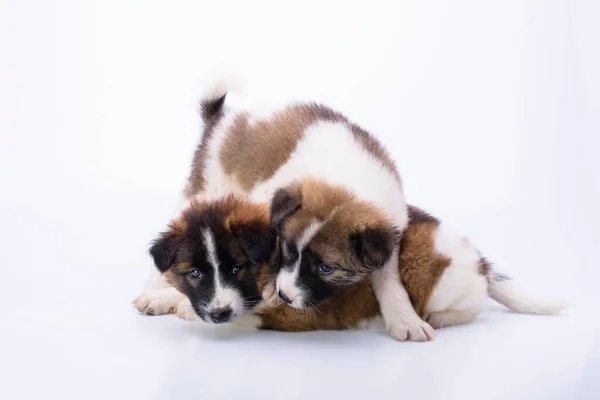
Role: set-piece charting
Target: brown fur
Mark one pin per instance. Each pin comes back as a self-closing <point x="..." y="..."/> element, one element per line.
<point x="253" y="152"/>
<point x="420" y="269"/>
<point x="346" y="310"/>
<point x="342" y="215"/>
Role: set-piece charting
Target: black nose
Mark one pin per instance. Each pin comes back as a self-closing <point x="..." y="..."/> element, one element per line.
<point x="284" y="297"/>
<point x="220" y="315"/>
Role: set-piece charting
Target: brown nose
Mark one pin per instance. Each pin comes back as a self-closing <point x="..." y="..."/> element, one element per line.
<point x="284" y="297"/>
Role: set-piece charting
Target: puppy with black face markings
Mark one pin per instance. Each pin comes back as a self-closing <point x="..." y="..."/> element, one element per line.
<point x="328" y="240"/>
<point x="253" y="155"/>
<point x="213" y="254"/>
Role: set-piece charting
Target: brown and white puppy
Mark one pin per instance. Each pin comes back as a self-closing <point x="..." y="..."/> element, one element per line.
<point x="254" y="155"/>
<point x="446" y="277"/>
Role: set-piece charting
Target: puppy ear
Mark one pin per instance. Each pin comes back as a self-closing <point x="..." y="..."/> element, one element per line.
<point x="164" y="249"/>
<point x="374" y="246"/>
<point x="258" y="244"/>
<point x="283" y="205"/>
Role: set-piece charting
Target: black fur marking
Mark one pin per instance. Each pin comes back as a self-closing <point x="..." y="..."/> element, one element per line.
<point x="164" y="250"/>
<point x="373" y="247"/>
<point x="212" y="108"/>
<point x="315" y="288"/>
<point x="418" y="216"/>
<point x="258" y="244"/>
<point x="283" y="206"/>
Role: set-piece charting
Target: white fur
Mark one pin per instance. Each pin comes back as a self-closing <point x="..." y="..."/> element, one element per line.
<point x="506" y="292"/>
<point x="224" y="297"/>
<point x="375" y="323"/>
<point x="248" y="321"/>
<point x="460" y="294"/>
<point x="217" y="182"/>
<point x="396" y="307"/>
<point x="328" y="150"/>
<point x="165" y="300"/>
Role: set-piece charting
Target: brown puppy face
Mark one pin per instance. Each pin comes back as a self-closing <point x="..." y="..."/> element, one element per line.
<point x="328" y="240"/>
<point x="213" y="254"/>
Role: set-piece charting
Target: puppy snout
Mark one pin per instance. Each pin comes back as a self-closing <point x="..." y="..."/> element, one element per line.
<point x="220" y="315"/>
<point x="285" y="298"/>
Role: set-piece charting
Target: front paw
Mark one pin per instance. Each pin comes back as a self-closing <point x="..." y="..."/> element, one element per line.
<point x="414" y="329"/>
<point x="154" y="302"/>
<point x="186" y="311"/>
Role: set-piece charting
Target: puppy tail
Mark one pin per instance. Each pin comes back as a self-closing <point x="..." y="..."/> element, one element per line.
<point x="214" y="94"/>
<point x="503" y="289"/>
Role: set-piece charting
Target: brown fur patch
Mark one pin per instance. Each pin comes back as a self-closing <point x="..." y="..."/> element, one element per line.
<point x="484" y="267"/>
<point x="253" y="152"/>
<point x="420" y="265"/>
<point x="341" y="213"/>
<point x="346" y="310"/>
<point x="420" y="269"/>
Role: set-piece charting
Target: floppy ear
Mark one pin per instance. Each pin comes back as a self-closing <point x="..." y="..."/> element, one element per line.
<point x="374" y="246"/>
<point x="257" y="243"/>
<point x="283" y="205"/>
<point x="164" y="249"/>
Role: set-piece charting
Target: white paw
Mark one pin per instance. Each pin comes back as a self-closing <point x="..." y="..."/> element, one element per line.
<point x="185" y="310"/>
<point x="414" y="329"/>
<point x="248" y="321"/>
<point x="158" y="301"/>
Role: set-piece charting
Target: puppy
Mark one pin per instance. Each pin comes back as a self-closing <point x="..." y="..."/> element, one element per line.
<point x="213" y="254"/>
<point x="254" y="156"/>
<point x="445" y="276"/>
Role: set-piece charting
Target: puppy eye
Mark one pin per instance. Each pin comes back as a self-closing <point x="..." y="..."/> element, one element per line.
<point x="324" y="269"/>
<point x="237" y="268"/>
<point x="195" y="274"/>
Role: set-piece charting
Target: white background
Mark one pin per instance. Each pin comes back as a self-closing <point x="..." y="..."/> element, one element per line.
<point x="491" y="109"/>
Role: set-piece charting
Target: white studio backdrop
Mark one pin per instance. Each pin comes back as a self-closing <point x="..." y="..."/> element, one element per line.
<point x="490" y="108"/>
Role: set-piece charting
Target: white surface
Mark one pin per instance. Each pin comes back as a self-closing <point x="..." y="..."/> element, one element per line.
<point x="492" y="112"/>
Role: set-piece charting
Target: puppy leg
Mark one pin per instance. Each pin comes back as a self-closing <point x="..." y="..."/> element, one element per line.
<point x="401" y="320"/>
<point x="186" y="311"/>
<point x="159" y="298"/>
<point x="158" y="301"/>
<point x="248" y="321"/>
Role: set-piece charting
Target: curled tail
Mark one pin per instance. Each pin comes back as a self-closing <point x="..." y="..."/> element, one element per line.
<point x="213" y="97"/>
<point x="505" y="291"/>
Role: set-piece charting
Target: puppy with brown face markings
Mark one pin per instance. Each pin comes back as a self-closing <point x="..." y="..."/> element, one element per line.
<point x="356" y="229"/>
<point x="446" y="277"/>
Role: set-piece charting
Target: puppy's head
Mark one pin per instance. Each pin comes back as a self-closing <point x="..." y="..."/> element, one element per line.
<point x="213" y="254"/>
<point x="328" y="240"/>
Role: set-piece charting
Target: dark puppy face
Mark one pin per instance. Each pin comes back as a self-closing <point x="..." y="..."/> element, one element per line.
<point x="328" y="240"/>
<point x="213" y="254"/>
